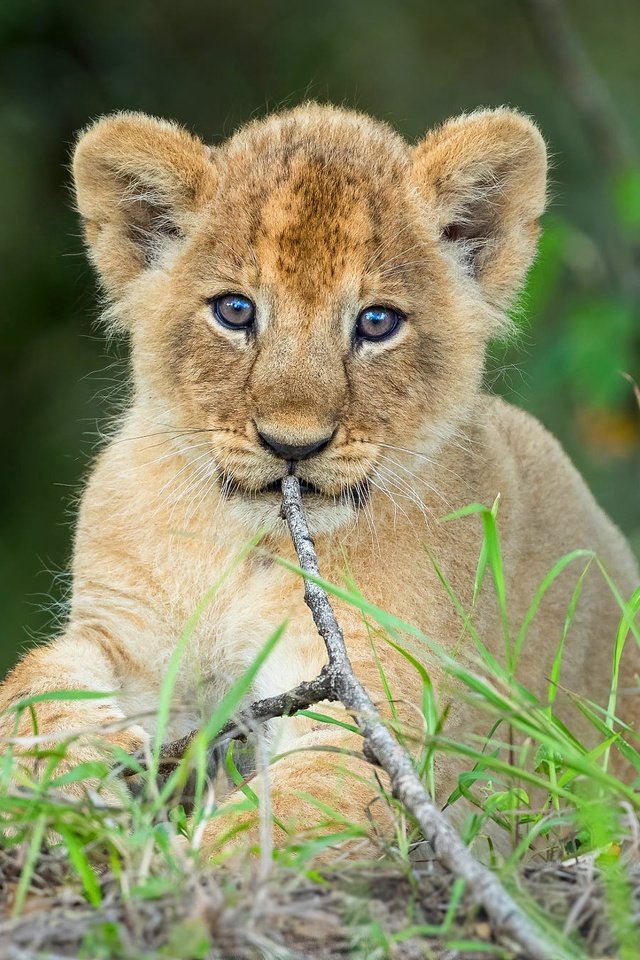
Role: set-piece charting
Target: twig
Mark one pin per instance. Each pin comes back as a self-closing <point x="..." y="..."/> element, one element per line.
<point x="634" y="385"/>
<point x="300" y="698"/>
<point x="338" y="682"/>
<point x="506" y="917"/>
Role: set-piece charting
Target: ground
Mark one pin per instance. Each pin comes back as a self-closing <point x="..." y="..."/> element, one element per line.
<point x="367" y="913"/>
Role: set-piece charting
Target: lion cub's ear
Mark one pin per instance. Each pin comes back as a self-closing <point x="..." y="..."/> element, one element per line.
<point x="484" y="174"/>
<point x="139" y="184"/>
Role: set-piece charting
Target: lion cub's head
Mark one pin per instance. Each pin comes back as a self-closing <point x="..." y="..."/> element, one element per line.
<point x="315" y="293"/>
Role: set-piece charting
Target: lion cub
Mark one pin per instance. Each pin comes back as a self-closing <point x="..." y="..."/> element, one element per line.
<point x="314" y="295"/>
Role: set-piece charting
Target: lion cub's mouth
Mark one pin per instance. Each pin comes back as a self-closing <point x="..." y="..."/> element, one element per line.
<point x="356" y="494"/>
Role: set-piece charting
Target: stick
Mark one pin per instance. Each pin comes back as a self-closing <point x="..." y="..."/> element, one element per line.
<point x="338" y="682"/>
<point x="285" y="704"/>
<point x="507" y="918"/>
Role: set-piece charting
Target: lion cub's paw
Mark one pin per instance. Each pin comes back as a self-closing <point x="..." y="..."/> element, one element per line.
<point x="68" y="760"/>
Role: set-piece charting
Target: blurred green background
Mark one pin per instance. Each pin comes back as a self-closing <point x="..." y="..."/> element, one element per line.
<point x="213" y="65"/>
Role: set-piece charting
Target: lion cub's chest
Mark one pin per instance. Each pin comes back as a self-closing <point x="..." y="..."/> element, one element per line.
<point x="226" y="614"/>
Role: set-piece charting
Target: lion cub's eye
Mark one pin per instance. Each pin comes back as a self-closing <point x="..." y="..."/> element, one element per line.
<point x="376" y="323"/>
<point x="234" y="311"/>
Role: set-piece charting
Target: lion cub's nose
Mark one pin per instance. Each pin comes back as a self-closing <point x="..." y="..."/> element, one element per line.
<point x="292" y="451"/>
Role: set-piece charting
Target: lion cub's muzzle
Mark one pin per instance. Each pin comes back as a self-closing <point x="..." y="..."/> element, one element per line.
<point x="314" y="457"/>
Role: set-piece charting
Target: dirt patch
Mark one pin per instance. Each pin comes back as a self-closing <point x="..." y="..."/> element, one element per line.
<point x="374" y="912"/>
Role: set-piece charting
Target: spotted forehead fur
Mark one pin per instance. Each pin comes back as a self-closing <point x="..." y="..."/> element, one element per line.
<point x="319" y="191"/>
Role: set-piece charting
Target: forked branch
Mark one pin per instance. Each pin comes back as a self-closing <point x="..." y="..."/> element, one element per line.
<point x="338" y="682"/>
<point x="506" y="917"/>
<point x="284" y="705"/>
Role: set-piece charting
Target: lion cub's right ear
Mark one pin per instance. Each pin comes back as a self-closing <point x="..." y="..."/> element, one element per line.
<point x="139" y="184"/>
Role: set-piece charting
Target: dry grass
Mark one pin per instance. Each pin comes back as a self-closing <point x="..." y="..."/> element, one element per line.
<point x="374" y="912"/>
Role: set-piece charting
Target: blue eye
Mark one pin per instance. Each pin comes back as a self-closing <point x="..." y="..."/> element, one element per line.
<point x="233" y="310"/>
<point x="376" y="323"/>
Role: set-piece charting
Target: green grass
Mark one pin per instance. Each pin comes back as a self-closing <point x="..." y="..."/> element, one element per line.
<point x="530" y="779"/>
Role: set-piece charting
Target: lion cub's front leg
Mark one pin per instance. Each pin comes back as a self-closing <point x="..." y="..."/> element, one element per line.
<point x="323" y="785"/>
<point x="75" y="661"/>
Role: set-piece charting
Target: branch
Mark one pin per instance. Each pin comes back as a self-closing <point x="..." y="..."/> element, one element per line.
<point x="338" y="682"/>
<point x="285" y="704"/>
<point x="507" y="918"/>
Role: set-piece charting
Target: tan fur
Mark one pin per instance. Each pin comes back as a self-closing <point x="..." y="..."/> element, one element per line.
<point x="315" y="213"/>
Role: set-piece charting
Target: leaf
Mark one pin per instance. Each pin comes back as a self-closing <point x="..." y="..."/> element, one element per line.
<point x="482" y="560"/>
<point x="327" y="718"/>
<point x="91" y="770"/>
<point x="549" y="578"/>
<point x="513" y="799"/>
<point x="154" y="888"/>
<point x="28" y="868"/>
<point x="220" y="716"/>
<point x="62" y="695"/>
<point x="171" y="675"/>
<point x="81" y="864"/>
<point x="625" y="627"/>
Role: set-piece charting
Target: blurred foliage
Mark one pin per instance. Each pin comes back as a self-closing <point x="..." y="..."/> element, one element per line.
<point x="213" y="65"/>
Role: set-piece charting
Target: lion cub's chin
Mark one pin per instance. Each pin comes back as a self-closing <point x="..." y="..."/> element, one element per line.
<point x="263" y="510"/>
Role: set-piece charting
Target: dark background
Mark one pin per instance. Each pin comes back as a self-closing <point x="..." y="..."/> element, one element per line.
<point x="213" y="65"/>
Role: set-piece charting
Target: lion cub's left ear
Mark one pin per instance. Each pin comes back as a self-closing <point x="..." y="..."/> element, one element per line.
<point x="484" y="174"/>
<point x="140" y="182"/>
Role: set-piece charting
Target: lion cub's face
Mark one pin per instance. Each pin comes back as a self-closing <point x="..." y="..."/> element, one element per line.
<point x="314" y="295"/>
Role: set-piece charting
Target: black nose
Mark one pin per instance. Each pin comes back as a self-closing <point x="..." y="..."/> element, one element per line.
<point x="292" y="451"/>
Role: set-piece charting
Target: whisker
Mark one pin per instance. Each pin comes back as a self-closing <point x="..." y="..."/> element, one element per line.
<point x="419" y="479"/>
<point x="200" y="497"/>
<point x="382" y="487"/>
<point x="400" y="259"/>
<point x="383" y="247"/>
<point x="178" y="494"/>
<point x="169" y="434"/>
<point x="188" y="465"/>
<point x="421" y="456"/>
<point x="406" y="492"/>
<point x="366" y="509"/>
<point x="175" y="453"/>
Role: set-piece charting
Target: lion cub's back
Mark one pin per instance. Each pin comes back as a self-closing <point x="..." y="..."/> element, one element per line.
<point x="554" y="509"/>
<point x="550" y="512"/>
